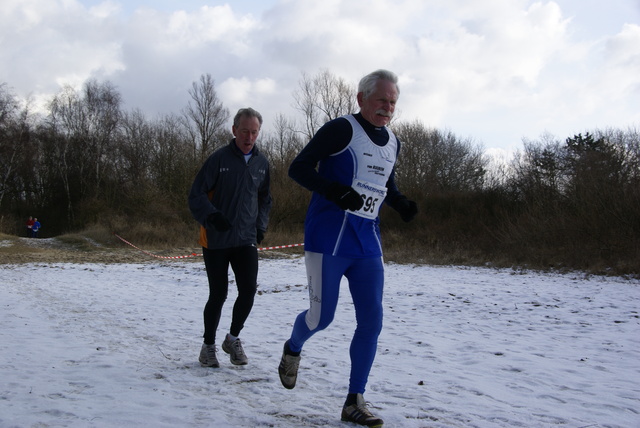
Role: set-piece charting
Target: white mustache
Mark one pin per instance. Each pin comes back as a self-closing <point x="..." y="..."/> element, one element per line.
<point x="384" y="113"/>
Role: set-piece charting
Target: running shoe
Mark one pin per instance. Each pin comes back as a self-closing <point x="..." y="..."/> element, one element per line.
<point x="288" y="368"/>
<point x="208" y="356"/>
<point x="235" y="351"/>
<point x="359" y="413"/>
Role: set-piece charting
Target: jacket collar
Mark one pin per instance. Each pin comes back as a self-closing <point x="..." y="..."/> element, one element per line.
<point x="238" y="152"/>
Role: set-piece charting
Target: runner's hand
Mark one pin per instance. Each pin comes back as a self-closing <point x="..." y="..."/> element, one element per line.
<point x="407" y="209"/>
<point x="218" y="221"/>
<point x="344" y="196"/>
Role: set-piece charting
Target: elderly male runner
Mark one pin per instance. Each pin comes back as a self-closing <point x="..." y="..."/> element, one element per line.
<point x="355" y="157"/>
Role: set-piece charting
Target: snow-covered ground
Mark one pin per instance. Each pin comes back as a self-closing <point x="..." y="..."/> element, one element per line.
<point x="96" y="345"/>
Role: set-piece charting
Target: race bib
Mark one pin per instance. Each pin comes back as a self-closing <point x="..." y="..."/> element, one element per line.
<point x="372" y="194"/>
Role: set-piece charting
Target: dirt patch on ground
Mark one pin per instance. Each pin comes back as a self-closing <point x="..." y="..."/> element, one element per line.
<point x="15" y="250"/>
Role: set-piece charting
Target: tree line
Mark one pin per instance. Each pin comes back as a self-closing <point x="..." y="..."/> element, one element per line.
<point x="561" y="203"/>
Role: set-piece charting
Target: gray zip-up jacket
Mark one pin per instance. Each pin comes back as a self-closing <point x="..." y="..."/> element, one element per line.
<point x="238" y="189"/>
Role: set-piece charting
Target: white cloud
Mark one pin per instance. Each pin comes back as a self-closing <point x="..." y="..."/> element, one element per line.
<point x="209" y="25"/>
<point x="623" y="54"/>
<point x="48" y="44"/>
<point x="618" y="80"/>
<point x="265" y="86"/>
<point x="105" y="10"/>
<point x="235" y="90"/>
<point x="496" y="70"/>
<point x="243" y="92"/>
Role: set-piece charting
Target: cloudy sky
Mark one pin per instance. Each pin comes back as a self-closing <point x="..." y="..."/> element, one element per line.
<point x="496" y="71"/>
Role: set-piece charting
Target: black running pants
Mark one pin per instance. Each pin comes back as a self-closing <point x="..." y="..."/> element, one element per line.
<point x="244" y="263"/>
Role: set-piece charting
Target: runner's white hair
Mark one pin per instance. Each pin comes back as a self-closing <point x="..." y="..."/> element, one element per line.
<point x="368" y="83"/>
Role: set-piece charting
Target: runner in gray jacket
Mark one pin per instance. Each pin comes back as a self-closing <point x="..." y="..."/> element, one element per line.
<point x="231" y="199"/>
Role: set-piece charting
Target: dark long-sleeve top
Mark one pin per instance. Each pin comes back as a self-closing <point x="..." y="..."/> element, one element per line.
<point x="237" y="188"/>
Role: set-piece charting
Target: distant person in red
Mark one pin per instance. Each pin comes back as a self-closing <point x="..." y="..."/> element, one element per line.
<point x="29" y="225"/>
<point x="35" y="228"/>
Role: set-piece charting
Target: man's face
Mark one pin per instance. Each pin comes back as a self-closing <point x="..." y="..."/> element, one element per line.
<point x="246" y="133"/>
<point x="378" y="108"/>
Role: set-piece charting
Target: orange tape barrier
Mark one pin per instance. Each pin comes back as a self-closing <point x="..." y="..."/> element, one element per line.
<point x="197" y="255"/>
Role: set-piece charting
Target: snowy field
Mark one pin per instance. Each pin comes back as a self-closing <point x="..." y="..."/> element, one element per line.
<point x="97" y="345"/>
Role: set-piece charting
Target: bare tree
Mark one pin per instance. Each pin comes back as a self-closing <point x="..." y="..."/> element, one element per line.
<point x="65" y="118"/>
<point x="322" y="98"/>
<point x="171" y="166"/>
<point x="538" y="171"/>
<point x="101" y="102"/>
<point x="437" y="161"/>
<point x="82" y="132"/>
<point x="136" y="148"/>
<point x="284" y="144"/>
<point x="205" y="116"/>
<point x="10" y="141"/>
<point x="281" y="147"/>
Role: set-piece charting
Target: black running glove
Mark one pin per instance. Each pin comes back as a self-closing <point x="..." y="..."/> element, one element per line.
<point x="407" y="209"/>
<point x="218" y="222"/>
<point x="344" y="196"/>
<point x="259" y="235"/>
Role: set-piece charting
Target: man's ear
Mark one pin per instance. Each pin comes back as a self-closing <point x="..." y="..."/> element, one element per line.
<point x="360" y="98"/>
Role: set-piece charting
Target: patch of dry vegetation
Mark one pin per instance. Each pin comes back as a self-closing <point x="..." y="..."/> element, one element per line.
<point x="99" y="245"/>
<point x="402" y="245"/>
